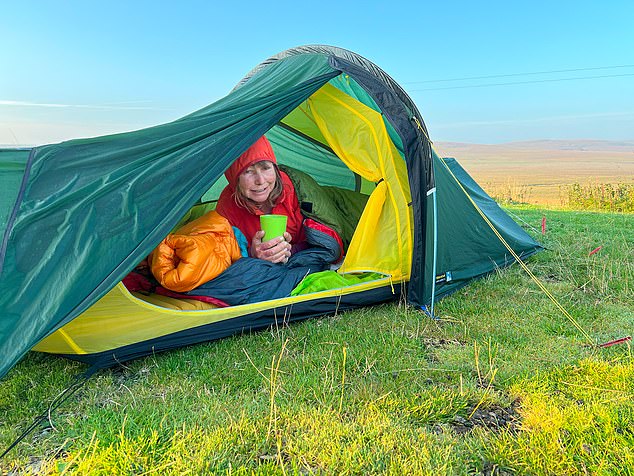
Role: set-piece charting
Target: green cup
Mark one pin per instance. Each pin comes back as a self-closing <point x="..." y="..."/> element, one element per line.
<point x="273" y="226"/>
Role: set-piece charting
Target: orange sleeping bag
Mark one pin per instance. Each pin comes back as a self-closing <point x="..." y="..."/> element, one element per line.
<point x="195" y="253"/>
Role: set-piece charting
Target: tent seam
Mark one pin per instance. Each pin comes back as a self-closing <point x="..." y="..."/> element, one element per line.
<point x="14" y="213"/>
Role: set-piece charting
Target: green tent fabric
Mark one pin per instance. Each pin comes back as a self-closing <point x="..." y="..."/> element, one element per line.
<point x="464" y="238"/>
<point x="96" y="200"/>
<point x="78" y="216"/>
<point x="12" y="165"/>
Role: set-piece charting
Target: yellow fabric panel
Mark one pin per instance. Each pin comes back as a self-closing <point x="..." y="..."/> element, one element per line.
<point x="60" y="342"/>
<point x="120" y="319"/>
<point x="357" y="133"/>
<point x="373" y="246"/>
<point x="175" y="303"/>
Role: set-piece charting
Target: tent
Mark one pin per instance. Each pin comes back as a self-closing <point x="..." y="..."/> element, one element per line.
<point x="76" y="217"/>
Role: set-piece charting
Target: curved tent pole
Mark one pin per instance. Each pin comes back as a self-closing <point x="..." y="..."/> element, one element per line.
<point x="432" y="192"/>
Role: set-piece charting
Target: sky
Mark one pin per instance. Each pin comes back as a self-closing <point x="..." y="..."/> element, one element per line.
<point x="480" y="72"/>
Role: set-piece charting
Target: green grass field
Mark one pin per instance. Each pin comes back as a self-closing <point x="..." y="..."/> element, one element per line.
<point x="502" y="383"/>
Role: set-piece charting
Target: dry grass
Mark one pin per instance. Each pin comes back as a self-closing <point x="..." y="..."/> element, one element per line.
<point x="537" y="172"/>
<point x="606" y="197"/>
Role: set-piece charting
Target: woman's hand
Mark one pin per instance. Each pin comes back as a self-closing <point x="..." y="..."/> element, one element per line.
<point x="277" y="250"/>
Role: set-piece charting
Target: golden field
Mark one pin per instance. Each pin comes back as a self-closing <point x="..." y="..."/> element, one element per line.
<point x="538" y="172"/>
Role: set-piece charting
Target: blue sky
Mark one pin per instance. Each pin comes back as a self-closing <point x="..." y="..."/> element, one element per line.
<point x="85" y="68"/>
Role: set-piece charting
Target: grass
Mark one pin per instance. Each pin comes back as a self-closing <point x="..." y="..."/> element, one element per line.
<point x="606" y="197"/>
<point x="510" y="193"/>
<point x="502" y="383"/>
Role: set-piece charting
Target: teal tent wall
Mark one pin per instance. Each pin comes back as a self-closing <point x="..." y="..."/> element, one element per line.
<point x="90" y="209"/>
<point x="467" y="247"/>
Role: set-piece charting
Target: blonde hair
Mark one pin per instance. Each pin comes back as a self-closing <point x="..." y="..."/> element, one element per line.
<point x="242" y="201"/>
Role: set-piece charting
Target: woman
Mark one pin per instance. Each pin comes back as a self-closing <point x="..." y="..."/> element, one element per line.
<point x="204" y="260"/>
<point x="257" y="187"/>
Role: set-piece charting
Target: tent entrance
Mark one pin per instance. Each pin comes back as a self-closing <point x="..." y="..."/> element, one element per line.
<point x="339" y="138"/>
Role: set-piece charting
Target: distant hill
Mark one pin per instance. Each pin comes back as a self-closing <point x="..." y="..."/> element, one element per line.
<point x="582" y="145"/>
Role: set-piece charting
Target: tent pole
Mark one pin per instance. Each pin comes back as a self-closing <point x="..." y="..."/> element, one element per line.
<point x="435" y="234"/>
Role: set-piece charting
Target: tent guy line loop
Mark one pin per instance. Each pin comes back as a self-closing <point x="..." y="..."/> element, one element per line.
<point x="519" y="260"/>
<point x="519" y="218"/>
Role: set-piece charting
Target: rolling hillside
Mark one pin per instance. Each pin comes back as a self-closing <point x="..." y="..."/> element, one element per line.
<point x="540" y="168"/>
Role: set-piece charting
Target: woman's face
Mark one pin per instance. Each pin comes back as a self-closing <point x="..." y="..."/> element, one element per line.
<point x="257" y="181"/>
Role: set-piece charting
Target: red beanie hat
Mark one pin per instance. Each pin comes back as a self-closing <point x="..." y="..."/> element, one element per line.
<point x="259" y="151"/>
